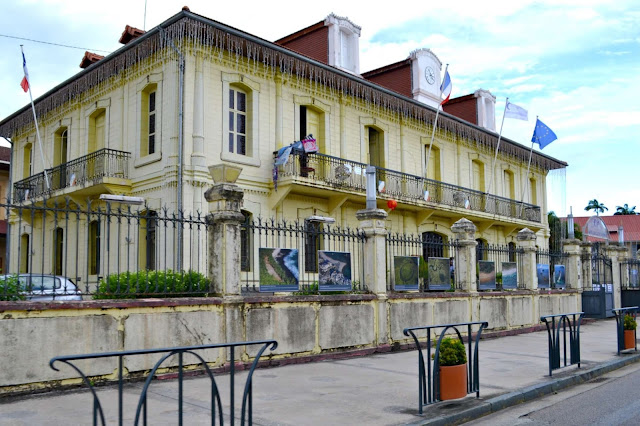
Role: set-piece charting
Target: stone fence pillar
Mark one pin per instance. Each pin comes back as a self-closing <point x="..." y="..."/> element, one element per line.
<point x="465" y="232"/>
<point x="574" y="264"/>
<point x="372" y="222"/>
<point x="225" y="218"/>
<point x="617" y="254"/>
<point x="528" y="274"/>
<point x="587" y="268"/>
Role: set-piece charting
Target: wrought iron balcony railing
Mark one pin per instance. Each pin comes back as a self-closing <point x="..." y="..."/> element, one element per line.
<point x="90" y="168"/>
<point x="350" y="175"/>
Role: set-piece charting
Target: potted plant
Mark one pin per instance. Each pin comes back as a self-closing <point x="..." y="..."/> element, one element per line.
<point x="629" y="324"/>
<point x="453" y="369"/>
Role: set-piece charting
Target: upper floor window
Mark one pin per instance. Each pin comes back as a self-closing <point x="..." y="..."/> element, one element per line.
<point x="533" y="191"/>
<point x="27" y="161"/>
<point x="148" y="120"/>
<point x="509" y="185"/>
<point x="433" y="162"/>
<point x="97" y="130"/>
<point x="240" y="119"/>
<point x="478" y="175"/>
<point x="375" y="144"/>
<point x="60" y="144"/>
<point x="237" y="121"/>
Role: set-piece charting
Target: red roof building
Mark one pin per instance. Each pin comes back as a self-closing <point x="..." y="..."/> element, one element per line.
<point x="630" y="229"/>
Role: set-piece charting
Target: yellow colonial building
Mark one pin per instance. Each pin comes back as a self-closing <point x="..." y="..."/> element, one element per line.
<point x="149" y="119"/>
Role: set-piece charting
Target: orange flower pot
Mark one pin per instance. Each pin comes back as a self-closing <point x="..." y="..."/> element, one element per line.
<point x="453" y="382"/>
<point x="629" y="339"/>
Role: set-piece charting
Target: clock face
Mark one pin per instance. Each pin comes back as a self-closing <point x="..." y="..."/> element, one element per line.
<point x="430" y="75"/>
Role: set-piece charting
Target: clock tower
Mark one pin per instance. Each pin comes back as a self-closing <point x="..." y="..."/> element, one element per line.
<point x="425" y="77"/>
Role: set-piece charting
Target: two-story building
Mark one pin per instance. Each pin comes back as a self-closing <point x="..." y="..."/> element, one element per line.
<point x="148" y="119"/>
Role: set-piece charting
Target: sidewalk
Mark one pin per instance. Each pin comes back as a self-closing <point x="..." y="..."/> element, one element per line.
<point x="374" y="390"/>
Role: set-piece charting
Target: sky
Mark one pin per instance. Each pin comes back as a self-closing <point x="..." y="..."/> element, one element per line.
<point x="573" y="63"/>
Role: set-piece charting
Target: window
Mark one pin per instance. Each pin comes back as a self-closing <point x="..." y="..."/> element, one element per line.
<point x="432" y="245"/>
<point x="245" y="242"/>
<point x="97" y="129"/>
<point x="60" y="142"/>
<point x="533" y="191"/>
<point x="509" y="185"/>
<point x="375" y="141"/>
<point x="240" y="132"/>
<point x="28" y="161"/>
<point x="312" y="123"/>
<point x="58" y="250"/>
<point x="94" y="247"/>
<point x="148" y="120"/>
<point x="237" y="121"/>
<point x="25" y="254"/>
<point x="481" y="249"/>
<point x="433" y="168"/>
<point x="478" y="175"/>
<point x="312" y="243"/>
<point x="147" y="240"/>
<point x="512" y="252"/>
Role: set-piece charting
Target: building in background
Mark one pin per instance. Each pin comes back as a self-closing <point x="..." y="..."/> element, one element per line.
<point x="148" y="119"/>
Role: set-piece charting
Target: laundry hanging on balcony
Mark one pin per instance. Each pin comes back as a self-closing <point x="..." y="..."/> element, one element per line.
<point x="282" y="157"/>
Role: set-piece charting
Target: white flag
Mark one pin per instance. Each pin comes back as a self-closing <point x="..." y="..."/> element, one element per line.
<point x="515" y="111"/>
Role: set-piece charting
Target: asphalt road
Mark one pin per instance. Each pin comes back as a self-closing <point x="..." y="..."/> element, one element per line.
<point x="612" y="399"/>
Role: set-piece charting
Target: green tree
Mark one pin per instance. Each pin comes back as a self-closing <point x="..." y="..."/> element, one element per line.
<point x="625" y="210"/>
<point x="597" y="206"/>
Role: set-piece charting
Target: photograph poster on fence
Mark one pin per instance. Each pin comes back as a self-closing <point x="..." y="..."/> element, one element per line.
<point x="559" y="277"/>
<point x="278" y="269"/>
<point x="439" y="273"/>
<point x="486" y="275"/>
<point x="509" y="275"/>
<point x="542" y="271"/>
<point x="334" y="271"/>
<point x="407" y="273"/>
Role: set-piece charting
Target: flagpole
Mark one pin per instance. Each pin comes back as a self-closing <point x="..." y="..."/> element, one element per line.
<point x="527" y="175"/>
<point x="435" y="123"/>
<point x="495" y="157"/>
<point x="35" y="120"/>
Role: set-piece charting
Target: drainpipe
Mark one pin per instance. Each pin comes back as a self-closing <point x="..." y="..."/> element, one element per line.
<point x="8" y="239"/>
<point x="181" y="66"/>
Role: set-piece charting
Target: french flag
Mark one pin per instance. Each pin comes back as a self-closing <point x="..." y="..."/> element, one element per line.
<point x="25" y="80"/>
<point x="445" y="87"/>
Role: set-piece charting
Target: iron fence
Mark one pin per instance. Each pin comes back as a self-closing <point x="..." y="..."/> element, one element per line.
<point x="89" y="168"/>
<point x="177" y="360"/>
<point x="421" y="262"/>
<point x="554" y="275"/>
<point x="498" y="267"/>
<point x="106" y="251"/>
<point x="338" y="172"/>
<point x="630" y="274"/>
<point x="305" y="257"/>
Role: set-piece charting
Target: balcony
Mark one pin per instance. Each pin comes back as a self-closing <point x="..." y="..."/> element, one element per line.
<point x="100" y="169"/>
<point x="345" y="175"/>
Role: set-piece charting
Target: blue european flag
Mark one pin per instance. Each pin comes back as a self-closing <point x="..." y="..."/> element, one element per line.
<point x="542" y="134"/>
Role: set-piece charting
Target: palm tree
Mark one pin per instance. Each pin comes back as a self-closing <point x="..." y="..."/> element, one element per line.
<point x="597" y="206"/>
<point x="625" y="210"/>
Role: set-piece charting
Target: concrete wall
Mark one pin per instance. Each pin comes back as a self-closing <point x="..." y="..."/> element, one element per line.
<point x="32" y="333"/>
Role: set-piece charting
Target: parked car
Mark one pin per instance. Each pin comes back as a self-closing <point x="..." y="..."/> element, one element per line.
<point x="42" y="287"/>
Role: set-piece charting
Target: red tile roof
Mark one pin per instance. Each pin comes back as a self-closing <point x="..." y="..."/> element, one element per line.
<point x="630" y="225"/>
<point x="89" y="58"/>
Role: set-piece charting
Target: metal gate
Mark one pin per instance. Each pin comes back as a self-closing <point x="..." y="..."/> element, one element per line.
<point x="597" y="298"/>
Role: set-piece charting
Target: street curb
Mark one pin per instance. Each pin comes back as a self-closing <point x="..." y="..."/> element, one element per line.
<point x="529" y="393"/>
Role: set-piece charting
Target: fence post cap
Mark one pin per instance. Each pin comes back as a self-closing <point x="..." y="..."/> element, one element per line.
<point x="526" y="235"/>
<point x="463" y="225"/>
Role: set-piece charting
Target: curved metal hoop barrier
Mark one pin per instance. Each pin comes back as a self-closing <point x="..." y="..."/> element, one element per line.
<point x="429" y="375"/>
<point x="179" y="352"/>
<point x="556" y="323"/>
<point x="620" y="313"/>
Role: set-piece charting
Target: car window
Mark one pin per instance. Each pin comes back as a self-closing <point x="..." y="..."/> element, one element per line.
<point x="44" y="283"/>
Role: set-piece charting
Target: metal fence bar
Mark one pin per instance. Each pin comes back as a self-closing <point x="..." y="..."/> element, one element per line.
<point x="558" y="322"/>
<point x="141" y="410"/>
<point x="621" y="314"/>
<point x="428" y="375"/>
